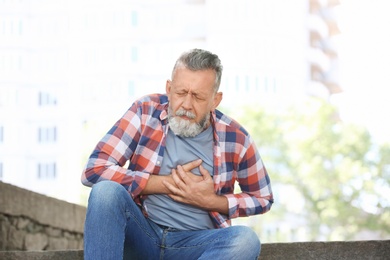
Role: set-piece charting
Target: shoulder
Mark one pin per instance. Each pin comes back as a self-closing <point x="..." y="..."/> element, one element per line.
<point x="151" y="103"/>
<point x="233" y="137"/>
<point x="223" y="121"/>
<point x="153" y="99"/>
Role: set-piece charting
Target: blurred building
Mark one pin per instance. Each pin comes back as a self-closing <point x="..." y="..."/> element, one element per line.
<point x="323" y="58"/>
<point x="70" y="69"/>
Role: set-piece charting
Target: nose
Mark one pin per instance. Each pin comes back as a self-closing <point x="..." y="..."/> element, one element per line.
<point x="187" y="102"/>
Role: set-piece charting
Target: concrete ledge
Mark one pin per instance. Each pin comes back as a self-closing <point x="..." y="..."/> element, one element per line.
<point x="48" y="211"/>
<point x="354" y="250"/>
<point x="30" y="221"/>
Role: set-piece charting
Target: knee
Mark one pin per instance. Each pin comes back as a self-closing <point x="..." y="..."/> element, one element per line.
<point x="246" y="240"/>
<point x="105" y="193"/>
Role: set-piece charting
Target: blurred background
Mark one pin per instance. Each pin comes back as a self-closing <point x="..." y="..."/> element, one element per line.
<point x="309" y="79"/>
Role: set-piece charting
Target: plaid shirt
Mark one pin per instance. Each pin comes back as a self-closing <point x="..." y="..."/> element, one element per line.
<point x="139" y="137"/>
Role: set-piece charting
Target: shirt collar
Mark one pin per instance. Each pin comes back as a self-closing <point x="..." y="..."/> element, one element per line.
<point x="164" y="113"/>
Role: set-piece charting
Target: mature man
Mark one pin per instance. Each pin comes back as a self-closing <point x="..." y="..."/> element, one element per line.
<point x="176" y="198"/>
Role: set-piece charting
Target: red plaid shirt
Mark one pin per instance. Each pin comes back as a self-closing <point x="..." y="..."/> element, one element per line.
<point x="139" y="137"/>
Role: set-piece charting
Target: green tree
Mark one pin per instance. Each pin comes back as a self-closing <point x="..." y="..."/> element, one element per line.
<point x="339" y="175"/>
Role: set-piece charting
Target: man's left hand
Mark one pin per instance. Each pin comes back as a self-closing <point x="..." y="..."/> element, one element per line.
<point x="200" y="194"/>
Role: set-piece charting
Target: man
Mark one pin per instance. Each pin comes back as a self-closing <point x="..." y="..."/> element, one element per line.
<point x="176" y="198"/>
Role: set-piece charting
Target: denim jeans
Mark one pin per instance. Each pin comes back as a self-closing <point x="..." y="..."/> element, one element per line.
<point x="115" y="228"/>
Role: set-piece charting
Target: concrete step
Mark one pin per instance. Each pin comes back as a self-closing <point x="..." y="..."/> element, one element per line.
<point x="42" y="255"/>
<point x="354" y="250"/>
<point x="351" y="250"/>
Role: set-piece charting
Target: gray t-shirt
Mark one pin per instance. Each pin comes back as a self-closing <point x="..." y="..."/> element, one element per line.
<point x="178" y="151"/>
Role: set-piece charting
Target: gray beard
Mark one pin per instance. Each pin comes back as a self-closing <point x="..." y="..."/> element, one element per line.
<point x="185" y="128"/>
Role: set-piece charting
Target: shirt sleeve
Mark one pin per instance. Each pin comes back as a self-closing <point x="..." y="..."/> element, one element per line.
<point x="113" y="151"/>
<point x="256" y="195"/>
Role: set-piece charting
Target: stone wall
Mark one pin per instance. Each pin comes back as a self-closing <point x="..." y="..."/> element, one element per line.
<point x="31" y="221"/>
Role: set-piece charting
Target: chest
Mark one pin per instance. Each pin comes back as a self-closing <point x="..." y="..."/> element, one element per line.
<point x="180" y="151"/>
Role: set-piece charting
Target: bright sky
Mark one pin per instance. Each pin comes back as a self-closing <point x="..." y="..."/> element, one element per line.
<point x="365" y="64"/>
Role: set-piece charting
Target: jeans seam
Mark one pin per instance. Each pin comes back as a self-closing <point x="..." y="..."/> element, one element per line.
<point x="162" y="246"/>
<point x="134" y="218"/>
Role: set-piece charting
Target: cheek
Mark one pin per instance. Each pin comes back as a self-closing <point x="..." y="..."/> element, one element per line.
<point x="174" y="106"/>
<point x="201" y="111"/>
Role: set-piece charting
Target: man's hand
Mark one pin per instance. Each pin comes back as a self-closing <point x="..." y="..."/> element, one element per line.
<point x="155" y="183"/>
<point x="197" y="191"/>
<point x="188" y="167"/>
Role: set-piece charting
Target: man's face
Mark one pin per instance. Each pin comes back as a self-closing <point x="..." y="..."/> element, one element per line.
<point x="191" y="98"/>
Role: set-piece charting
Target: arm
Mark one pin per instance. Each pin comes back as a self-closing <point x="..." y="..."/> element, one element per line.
<point x="256" y="195"/>
<point x="114" y="150"/>
<point x="118" y="146"/>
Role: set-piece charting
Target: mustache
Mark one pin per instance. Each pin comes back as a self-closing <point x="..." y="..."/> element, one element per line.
<point x="183" y="112"/>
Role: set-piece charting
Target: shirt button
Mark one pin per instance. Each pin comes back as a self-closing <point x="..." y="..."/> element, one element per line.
<point x="158" y="162"/>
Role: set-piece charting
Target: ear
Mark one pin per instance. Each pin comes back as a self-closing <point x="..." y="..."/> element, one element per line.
<point x="217" y="99"/>
<point x="168" y="86"/>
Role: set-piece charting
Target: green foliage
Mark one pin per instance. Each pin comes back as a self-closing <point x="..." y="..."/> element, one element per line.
<point x="340" y="176"/>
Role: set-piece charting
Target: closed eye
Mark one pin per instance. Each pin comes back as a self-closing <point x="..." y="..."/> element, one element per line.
<point x="198" y="97"/>
<point x="181" y="94"/>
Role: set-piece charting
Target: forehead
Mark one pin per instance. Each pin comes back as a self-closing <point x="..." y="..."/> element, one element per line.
<point x="199" y="80"/>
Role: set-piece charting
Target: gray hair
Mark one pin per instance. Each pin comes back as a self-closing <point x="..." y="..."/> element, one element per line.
<point x="197" y="59"/>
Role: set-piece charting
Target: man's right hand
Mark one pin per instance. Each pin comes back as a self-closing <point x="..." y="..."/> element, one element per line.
<point x="155" y="183"/>
<point x="188" y="167"/>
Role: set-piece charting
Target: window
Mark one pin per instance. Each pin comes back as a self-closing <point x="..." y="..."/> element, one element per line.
<point x="47" y="171"/>
<point x="1" y="134"/>
<point x="134" y="18"/>
<point x="131" y="88"/>
<point x="247" y="84"/>
<point x="20" y="27"/>
<point x="257" y="85"/>
<point x="270" y="85"/>
<point x="47" y="134"/>
<point x="134" y="54"/>
<point x="237" y="84"/>
<point x="46" y="99"/>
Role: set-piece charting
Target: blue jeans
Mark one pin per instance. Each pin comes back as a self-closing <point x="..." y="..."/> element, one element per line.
<point x="115" y="228"/>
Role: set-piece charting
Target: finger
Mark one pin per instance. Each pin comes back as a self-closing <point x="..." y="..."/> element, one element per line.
<point x="172" y="188"/>
<point x="192" y="165"/>
<point x="180" y="178"/>
<point x="182" y="174"/>
<point x="176" y="198"/>
<point x="176" y="177"/>
<point x="204" y="172"/>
